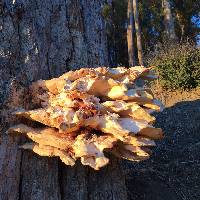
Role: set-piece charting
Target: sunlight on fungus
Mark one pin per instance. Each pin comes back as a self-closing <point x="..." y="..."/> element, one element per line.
<point x="87" y="112"/>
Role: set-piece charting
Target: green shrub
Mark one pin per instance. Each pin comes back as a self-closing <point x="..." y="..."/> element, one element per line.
<point x="178" y="65"/>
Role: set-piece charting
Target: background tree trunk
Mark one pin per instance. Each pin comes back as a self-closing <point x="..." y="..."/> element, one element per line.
<point x="138" y="32"/>
<point x="130" y="28"/>
<point x="40" y="40"/>
<point x="168" y="20"/>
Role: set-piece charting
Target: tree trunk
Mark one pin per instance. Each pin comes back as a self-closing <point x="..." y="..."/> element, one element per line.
<point x="40" y="40"/>
<point x="182" y="24"/>
<point x="138" y="31"/>
<point x="130" y="27"/>
<point x="168" y="20"/>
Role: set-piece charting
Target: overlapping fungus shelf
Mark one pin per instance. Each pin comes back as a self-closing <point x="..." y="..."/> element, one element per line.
<point x="90" y="111"/>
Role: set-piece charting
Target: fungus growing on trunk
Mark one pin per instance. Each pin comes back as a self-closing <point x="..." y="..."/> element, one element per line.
<point x="87" y="112"/>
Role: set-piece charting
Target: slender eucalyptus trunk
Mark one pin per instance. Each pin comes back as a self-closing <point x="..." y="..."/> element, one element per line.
<point x="138" y="32"/>
<point x="168" y="20"/>
<point x="130" y="29"/>
<point x="182" y="23"/>
<point x="40" y="39"/>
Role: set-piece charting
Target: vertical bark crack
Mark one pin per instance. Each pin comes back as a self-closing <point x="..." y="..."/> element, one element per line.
<point x="84" y="28"/>
<point x="21" y="176"/>
<point x="70" y="58"/>
<point x="60" y="180"/>
<point x="48" y="66"/>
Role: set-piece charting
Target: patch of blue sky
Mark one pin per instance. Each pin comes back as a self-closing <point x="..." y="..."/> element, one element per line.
<point x="196" y="20"/>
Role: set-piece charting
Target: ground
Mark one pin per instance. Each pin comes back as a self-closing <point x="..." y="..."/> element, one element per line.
<point x="173" y="172"/>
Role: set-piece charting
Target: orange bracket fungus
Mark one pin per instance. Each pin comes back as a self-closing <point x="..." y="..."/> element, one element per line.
<point x="87" y="112"/>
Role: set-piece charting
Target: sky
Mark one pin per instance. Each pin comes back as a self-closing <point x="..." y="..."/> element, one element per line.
<point x="196" y="20"/>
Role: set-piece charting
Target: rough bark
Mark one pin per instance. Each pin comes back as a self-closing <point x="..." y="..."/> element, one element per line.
<point x="130" y="29"/>
<point x="138" y="31"/>
<point x="168" y="20"/>
<point x="43" y="39"/>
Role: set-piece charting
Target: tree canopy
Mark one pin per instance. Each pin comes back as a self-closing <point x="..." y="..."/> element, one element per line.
<point x="186" y="19"/>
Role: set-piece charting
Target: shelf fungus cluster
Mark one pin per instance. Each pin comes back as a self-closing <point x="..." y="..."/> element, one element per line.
<point x="87" y="112"/>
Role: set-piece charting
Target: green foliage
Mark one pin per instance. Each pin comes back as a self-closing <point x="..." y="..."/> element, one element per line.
<point x="106" y="11"/>
<point x="185" y="11"/>
<point x="116" y="19"/>
<point x="151" y="20"/>
<point x="185" y="14"/>
<point x="178" y="65"/>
